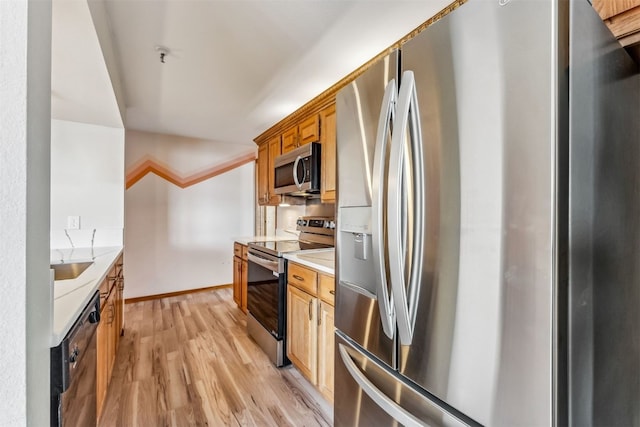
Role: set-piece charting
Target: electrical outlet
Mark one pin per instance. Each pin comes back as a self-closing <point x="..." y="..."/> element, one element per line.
<point x="73" y="223"/>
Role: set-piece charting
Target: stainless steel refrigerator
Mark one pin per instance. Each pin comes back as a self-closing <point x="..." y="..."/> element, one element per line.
<point x="488" y="245"/>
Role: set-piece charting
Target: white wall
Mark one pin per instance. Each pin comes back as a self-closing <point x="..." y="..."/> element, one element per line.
<point x="87" y="180"/>
<point x="182" y="238"/>
<point x="25" y="52"/>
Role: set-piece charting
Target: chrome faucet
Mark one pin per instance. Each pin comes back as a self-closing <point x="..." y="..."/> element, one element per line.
<point x="93" y="236"/>
<point x="66" y="232"/>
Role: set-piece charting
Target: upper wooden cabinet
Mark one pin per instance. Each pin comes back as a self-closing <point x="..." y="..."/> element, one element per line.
<point x="305" y="132"/>
<point x="267" y="152"/>
<point x="622" y="17"/>
<point x="263" y="174"/>
<point x="274" y="151"/>
<point x="328" y="141"/>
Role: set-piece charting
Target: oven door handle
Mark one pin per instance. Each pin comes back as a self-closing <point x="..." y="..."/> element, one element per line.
<point x="264" y="262"/>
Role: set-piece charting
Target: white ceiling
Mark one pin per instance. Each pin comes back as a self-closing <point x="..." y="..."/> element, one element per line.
<point x="236" y="67"/>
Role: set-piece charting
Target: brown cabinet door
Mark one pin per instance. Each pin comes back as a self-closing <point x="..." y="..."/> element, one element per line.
<point x="101" y="368"/>
<point x="302" y="332"/>
<point x="325" y="350"/>
<point x="112" y="334"/>
<point x="274" y="151"/>
<point x="263" y="175"/>
<point x="309" y="130"/>
<point x="328" y="141"/>
<point x="237" y="280"/>
<point x="290" y="140"/>
<point x="609" y="8"/>
<point x="244" y="270"/>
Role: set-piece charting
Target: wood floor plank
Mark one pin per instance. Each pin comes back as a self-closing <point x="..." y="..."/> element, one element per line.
<point x="187" y="360"/>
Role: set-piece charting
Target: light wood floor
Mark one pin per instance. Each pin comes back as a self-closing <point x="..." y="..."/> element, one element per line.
<point x="187" y="360"/>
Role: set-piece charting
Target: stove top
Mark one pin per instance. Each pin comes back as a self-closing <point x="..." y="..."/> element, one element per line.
<point x="281" y="247"/>
<point x="316" y="232"/>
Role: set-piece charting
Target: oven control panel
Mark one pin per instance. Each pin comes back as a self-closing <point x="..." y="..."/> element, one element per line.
<point x="312" y="223"/>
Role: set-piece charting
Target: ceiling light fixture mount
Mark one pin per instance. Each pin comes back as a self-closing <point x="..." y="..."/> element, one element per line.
<point x="163" y="51"/>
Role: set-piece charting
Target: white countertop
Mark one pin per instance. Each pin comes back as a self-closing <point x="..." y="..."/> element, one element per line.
<point x="71" y="296"/>
<point x="319" y="259"/>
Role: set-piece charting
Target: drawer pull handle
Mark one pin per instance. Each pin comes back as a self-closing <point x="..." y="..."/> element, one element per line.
<point x="295" y="276"/>
<point x="332" y="292"/>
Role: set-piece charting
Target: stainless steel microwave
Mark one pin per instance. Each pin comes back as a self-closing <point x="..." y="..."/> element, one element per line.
<point x="298" y="172"/>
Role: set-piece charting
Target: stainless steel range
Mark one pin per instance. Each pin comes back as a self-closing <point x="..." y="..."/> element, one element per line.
<point x="266" y="283"/>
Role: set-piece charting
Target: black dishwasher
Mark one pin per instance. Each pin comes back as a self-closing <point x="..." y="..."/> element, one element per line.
<point x="73" y="371"/>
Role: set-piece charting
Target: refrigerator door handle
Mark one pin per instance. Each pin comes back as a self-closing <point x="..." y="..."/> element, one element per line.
<point x="378" y="241"/>
<point x="406" y="154"/>
<point x="394" y="410"/>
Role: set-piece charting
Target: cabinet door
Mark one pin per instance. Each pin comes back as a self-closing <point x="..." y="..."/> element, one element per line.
<point x="302" y="332"/>
<point x="120" y="306"/>
<point x="244" y="270"/>
<point x="290" y="140"/>
<point x="119" y="310"/>
<point x="309" y="130"/>
<point x="609" y="8"/>
<point x="328" y="141"/>
<point x="237" y="280"/>
<point x="274" y="151"/>
<point x="325" y="350"/>
<point x="112" y="333"/>
<point x="101" y="368"/>
<point x="263" y="175"/>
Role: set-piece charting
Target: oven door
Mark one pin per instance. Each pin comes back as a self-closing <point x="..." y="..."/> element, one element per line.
<point x="266" y="292"/>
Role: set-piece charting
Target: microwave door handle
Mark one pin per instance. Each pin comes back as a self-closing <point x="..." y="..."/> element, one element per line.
<point x="378" y="241"/>
<point x="295" y="172"/>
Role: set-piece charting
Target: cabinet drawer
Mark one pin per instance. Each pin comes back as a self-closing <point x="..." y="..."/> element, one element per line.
<point x="237" y="249"/>
<point x="303" y="278"/>
<point x="327" y="288"/>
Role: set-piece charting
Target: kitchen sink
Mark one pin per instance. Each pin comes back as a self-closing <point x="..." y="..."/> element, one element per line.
<point x="70" y="270"/>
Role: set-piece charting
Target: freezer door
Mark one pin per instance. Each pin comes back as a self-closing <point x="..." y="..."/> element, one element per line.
<point x="365" y="112"/>
<point x="480" y="334"/>
<point x="368" y="394"/>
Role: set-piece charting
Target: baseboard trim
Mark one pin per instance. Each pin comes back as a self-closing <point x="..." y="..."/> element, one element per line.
<point x="174" y="294"/>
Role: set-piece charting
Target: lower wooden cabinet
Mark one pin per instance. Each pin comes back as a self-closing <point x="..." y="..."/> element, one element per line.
<point x="310" y="325"/>
<point x="237" y="280"/>
<point x="109" y="330"/>
<point x="302" y="332"/>
<point x="325" y="350"/>
<point x="240" y="270"/>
